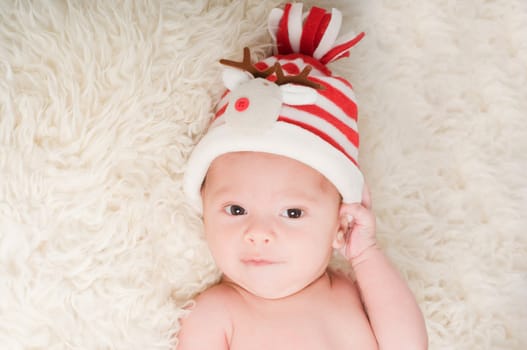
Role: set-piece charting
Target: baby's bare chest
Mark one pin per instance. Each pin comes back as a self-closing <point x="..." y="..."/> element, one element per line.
<point x="319" y="324"/>
<point x="287" y="333"/>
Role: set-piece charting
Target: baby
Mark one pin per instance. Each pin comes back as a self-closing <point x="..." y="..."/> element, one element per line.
<point x="277" y="183"/>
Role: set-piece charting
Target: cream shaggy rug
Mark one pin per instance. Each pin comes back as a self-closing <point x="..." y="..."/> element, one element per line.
<point x="102" y="101"/>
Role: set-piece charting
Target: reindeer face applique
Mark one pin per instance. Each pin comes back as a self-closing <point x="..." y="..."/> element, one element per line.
<point x="254" y="102"/>
<point x="253" y="105"/>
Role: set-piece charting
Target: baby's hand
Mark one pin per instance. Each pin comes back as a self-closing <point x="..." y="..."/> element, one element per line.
<point x="360" y="235"/>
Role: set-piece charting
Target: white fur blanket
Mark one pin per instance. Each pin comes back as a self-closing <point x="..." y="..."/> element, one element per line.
<point x="102" y="101"/>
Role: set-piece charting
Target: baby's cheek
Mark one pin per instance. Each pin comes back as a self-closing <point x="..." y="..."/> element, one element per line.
<point x="216" y="243"/>
<point x="222" y="257"/>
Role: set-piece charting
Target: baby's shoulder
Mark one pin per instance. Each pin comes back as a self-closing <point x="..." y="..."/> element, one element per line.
<point x="219" y="298"/>
<point x="208" y="321"/>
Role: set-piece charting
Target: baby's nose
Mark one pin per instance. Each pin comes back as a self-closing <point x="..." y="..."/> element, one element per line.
<point x="259" y="236"/>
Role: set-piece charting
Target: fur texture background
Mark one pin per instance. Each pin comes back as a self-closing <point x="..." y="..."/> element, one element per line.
<point x="102" y="101"/>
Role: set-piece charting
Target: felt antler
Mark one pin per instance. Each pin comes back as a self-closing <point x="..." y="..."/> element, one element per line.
<point x="246" y="65"/>
<point x="300" y="79"/>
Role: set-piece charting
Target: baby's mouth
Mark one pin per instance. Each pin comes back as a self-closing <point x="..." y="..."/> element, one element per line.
<point x="258" y="262"/>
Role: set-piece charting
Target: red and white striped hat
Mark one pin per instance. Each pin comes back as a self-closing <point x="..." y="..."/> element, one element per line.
<point x="289" y="104"/>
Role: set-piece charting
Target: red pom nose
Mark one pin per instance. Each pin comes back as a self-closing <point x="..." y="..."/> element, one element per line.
<point x="241" y="104"/>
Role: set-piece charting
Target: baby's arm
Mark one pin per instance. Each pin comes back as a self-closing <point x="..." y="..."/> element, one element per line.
<point x="207" y="324"/>
<point x="394" y="315"/>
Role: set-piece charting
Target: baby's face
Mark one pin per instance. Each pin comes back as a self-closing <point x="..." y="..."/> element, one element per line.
<point x="270" y="221"/>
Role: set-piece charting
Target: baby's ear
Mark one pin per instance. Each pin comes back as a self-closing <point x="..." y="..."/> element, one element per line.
<point x="342" y="231"/>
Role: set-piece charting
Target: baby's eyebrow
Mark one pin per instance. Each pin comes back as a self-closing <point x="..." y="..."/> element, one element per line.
<point x="300" y="195"/>
<point x="220" y="192"/>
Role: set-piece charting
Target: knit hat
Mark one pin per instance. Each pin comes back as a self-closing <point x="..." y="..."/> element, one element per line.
<point x="289" y="104"/>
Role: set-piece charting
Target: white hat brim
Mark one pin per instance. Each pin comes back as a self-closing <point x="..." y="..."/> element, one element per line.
<point x="282" y="139"/>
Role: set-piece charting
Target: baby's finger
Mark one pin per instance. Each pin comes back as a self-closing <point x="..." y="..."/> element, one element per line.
<point x="360" y="214"/>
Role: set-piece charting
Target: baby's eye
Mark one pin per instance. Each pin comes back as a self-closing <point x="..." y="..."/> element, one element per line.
<point x="235" y="210"/>
<point x="293" y="213"/>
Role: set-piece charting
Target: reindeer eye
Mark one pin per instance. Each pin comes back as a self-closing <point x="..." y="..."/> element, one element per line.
<point x="241" y="104"/>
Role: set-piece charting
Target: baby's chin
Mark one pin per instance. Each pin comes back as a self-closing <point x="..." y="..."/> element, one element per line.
<point x="272" y="284"/>
<point x="272" y="291"/>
